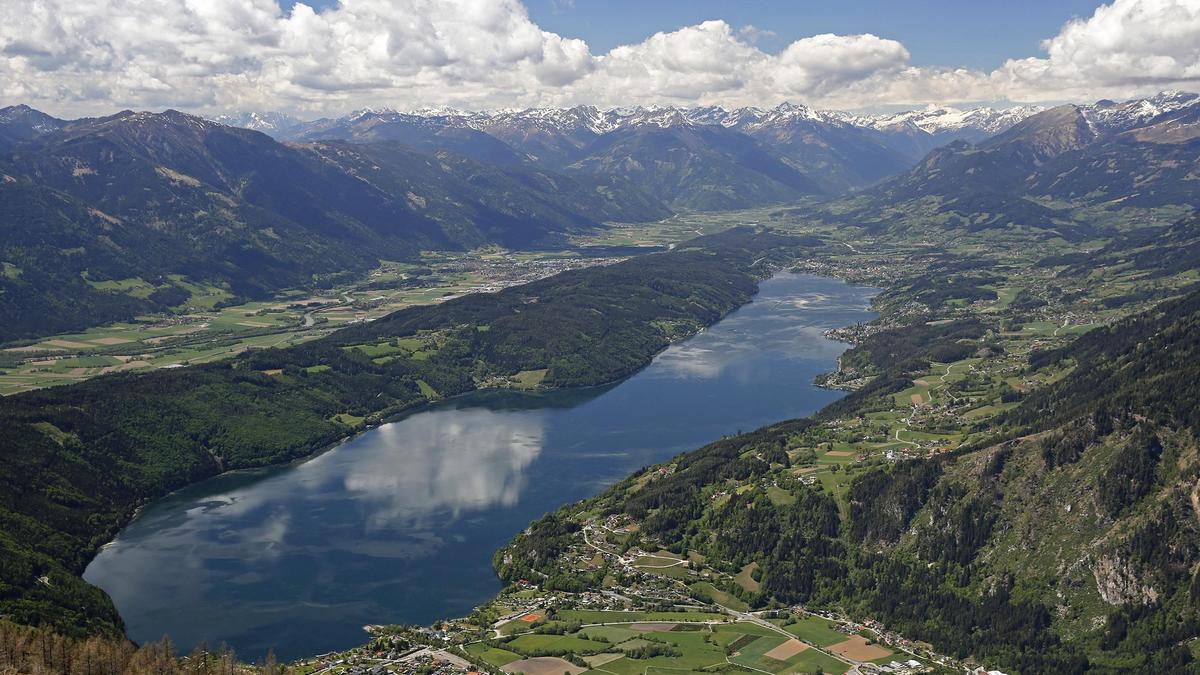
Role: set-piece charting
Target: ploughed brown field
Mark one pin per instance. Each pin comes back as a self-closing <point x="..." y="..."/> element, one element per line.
<point x="857" y="648"/>
<point x="786" y="650"/>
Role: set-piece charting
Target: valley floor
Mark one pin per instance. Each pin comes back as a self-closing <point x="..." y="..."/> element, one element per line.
<point x="205" y="329"/>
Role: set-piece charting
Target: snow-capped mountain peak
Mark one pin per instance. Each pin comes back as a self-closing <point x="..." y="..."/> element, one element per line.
<point x="947" y="120"/>
<point x="923" y="128"/>
<point x="266" y="122"/>
<point x="1112" y="117"/>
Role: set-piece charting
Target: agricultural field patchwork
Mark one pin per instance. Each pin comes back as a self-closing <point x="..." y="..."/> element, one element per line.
<point x="206" y="328"/>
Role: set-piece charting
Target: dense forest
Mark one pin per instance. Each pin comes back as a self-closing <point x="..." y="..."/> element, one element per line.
<point x="75" y="461"/>
<point x="24" y="649"/>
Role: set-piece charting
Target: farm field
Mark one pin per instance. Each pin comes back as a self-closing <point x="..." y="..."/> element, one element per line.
<point x="814" y="630"/>
<point x="543" y="665"/>
<point x="202" y="330"/>
<point x="492" y="655"/>
<point x="689" y="645"/>
<point x="606" y="616"/>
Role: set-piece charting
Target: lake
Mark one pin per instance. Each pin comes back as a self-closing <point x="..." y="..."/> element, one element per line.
<point x="399" y="524"/>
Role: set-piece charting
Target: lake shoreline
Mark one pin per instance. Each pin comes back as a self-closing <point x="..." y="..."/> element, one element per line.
<point x="423" y="406"/>
<point x="862" y="303"/>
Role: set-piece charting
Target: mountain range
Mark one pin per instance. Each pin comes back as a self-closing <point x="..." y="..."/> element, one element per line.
<point x="1142" y="154"/>
<point x="156" y="195"/>
<point x="936" y="124"/>
<point x="166" y="197"/>
<point x="712" y="157"/>
<point x="833" y="150"/>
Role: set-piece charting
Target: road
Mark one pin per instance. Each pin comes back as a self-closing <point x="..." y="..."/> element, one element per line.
<point x="915" y="445"/>
<point x="941" y="379"/>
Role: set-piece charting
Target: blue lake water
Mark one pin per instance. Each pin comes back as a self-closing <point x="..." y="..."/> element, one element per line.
<point x="399" y="524"/>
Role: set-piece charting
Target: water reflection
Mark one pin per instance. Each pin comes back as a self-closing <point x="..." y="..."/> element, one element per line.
<point x="444" y="461"/>
<point x="400" y="524"/>
<point x="419" y="474"/>
<point x="782" y="327"/>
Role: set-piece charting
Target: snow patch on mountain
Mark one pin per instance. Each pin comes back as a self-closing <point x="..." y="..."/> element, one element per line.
<point x="266" y="122"/>
<point x="1112" y="117"/>
<point x="940" y="123"/>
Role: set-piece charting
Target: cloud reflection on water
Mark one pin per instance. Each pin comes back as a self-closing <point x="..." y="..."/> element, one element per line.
<point x="390" y="490"/>
<point x="782" y="327"/>
<point x="417" y="473"/>
<point x="445" y="461"/>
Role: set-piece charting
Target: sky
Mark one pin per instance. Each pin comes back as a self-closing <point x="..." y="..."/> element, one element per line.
<point x="328" y="57"/>
<point x="977" y="34"/>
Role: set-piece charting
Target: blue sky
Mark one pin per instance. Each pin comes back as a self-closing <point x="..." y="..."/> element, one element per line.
<point x="973" y="33"/>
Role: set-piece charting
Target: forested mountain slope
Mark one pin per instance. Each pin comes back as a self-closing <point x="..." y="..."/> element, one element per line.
<point x="1029" y="179"/>
<point x="697" y="167"/>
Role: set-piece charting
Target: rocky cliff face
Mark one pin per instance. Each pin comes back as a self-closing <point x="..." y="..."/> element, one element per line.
<point x="1118" y="583"/>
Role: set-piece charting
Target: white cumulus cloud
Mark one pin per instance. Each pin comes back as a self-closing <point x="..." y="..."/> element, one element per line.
<point x="1125" y="47"/>
<point x="72" y="57"/>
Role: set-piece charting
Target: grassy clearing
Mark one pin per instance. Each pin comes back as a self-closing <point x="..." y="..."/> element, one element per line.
<point x="697" y="654"/>
<point x="428" y="391"/>
<point x="491" y="655"/>
<point x="705" y="589"/>
<point x="779" y="496"/>
<point x="57" y="435"/>
<point x="133" y="286"/>
<point x="348" y="419"/>
<point x="607" y="616"/>
<point x="529" y="379"/>
<point x="745" y="628"/>
<point x="533" y="643"/>
<point x="752" y="654"/>
<point x="673" y="571"/>
<point x="812" y="661"/>
<point x="740" y="642"/>
<point x="745" y="578"/>
<point x="203" y="296"/>
<point x="614" y="634"/>
<point x="815" y="631"/>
